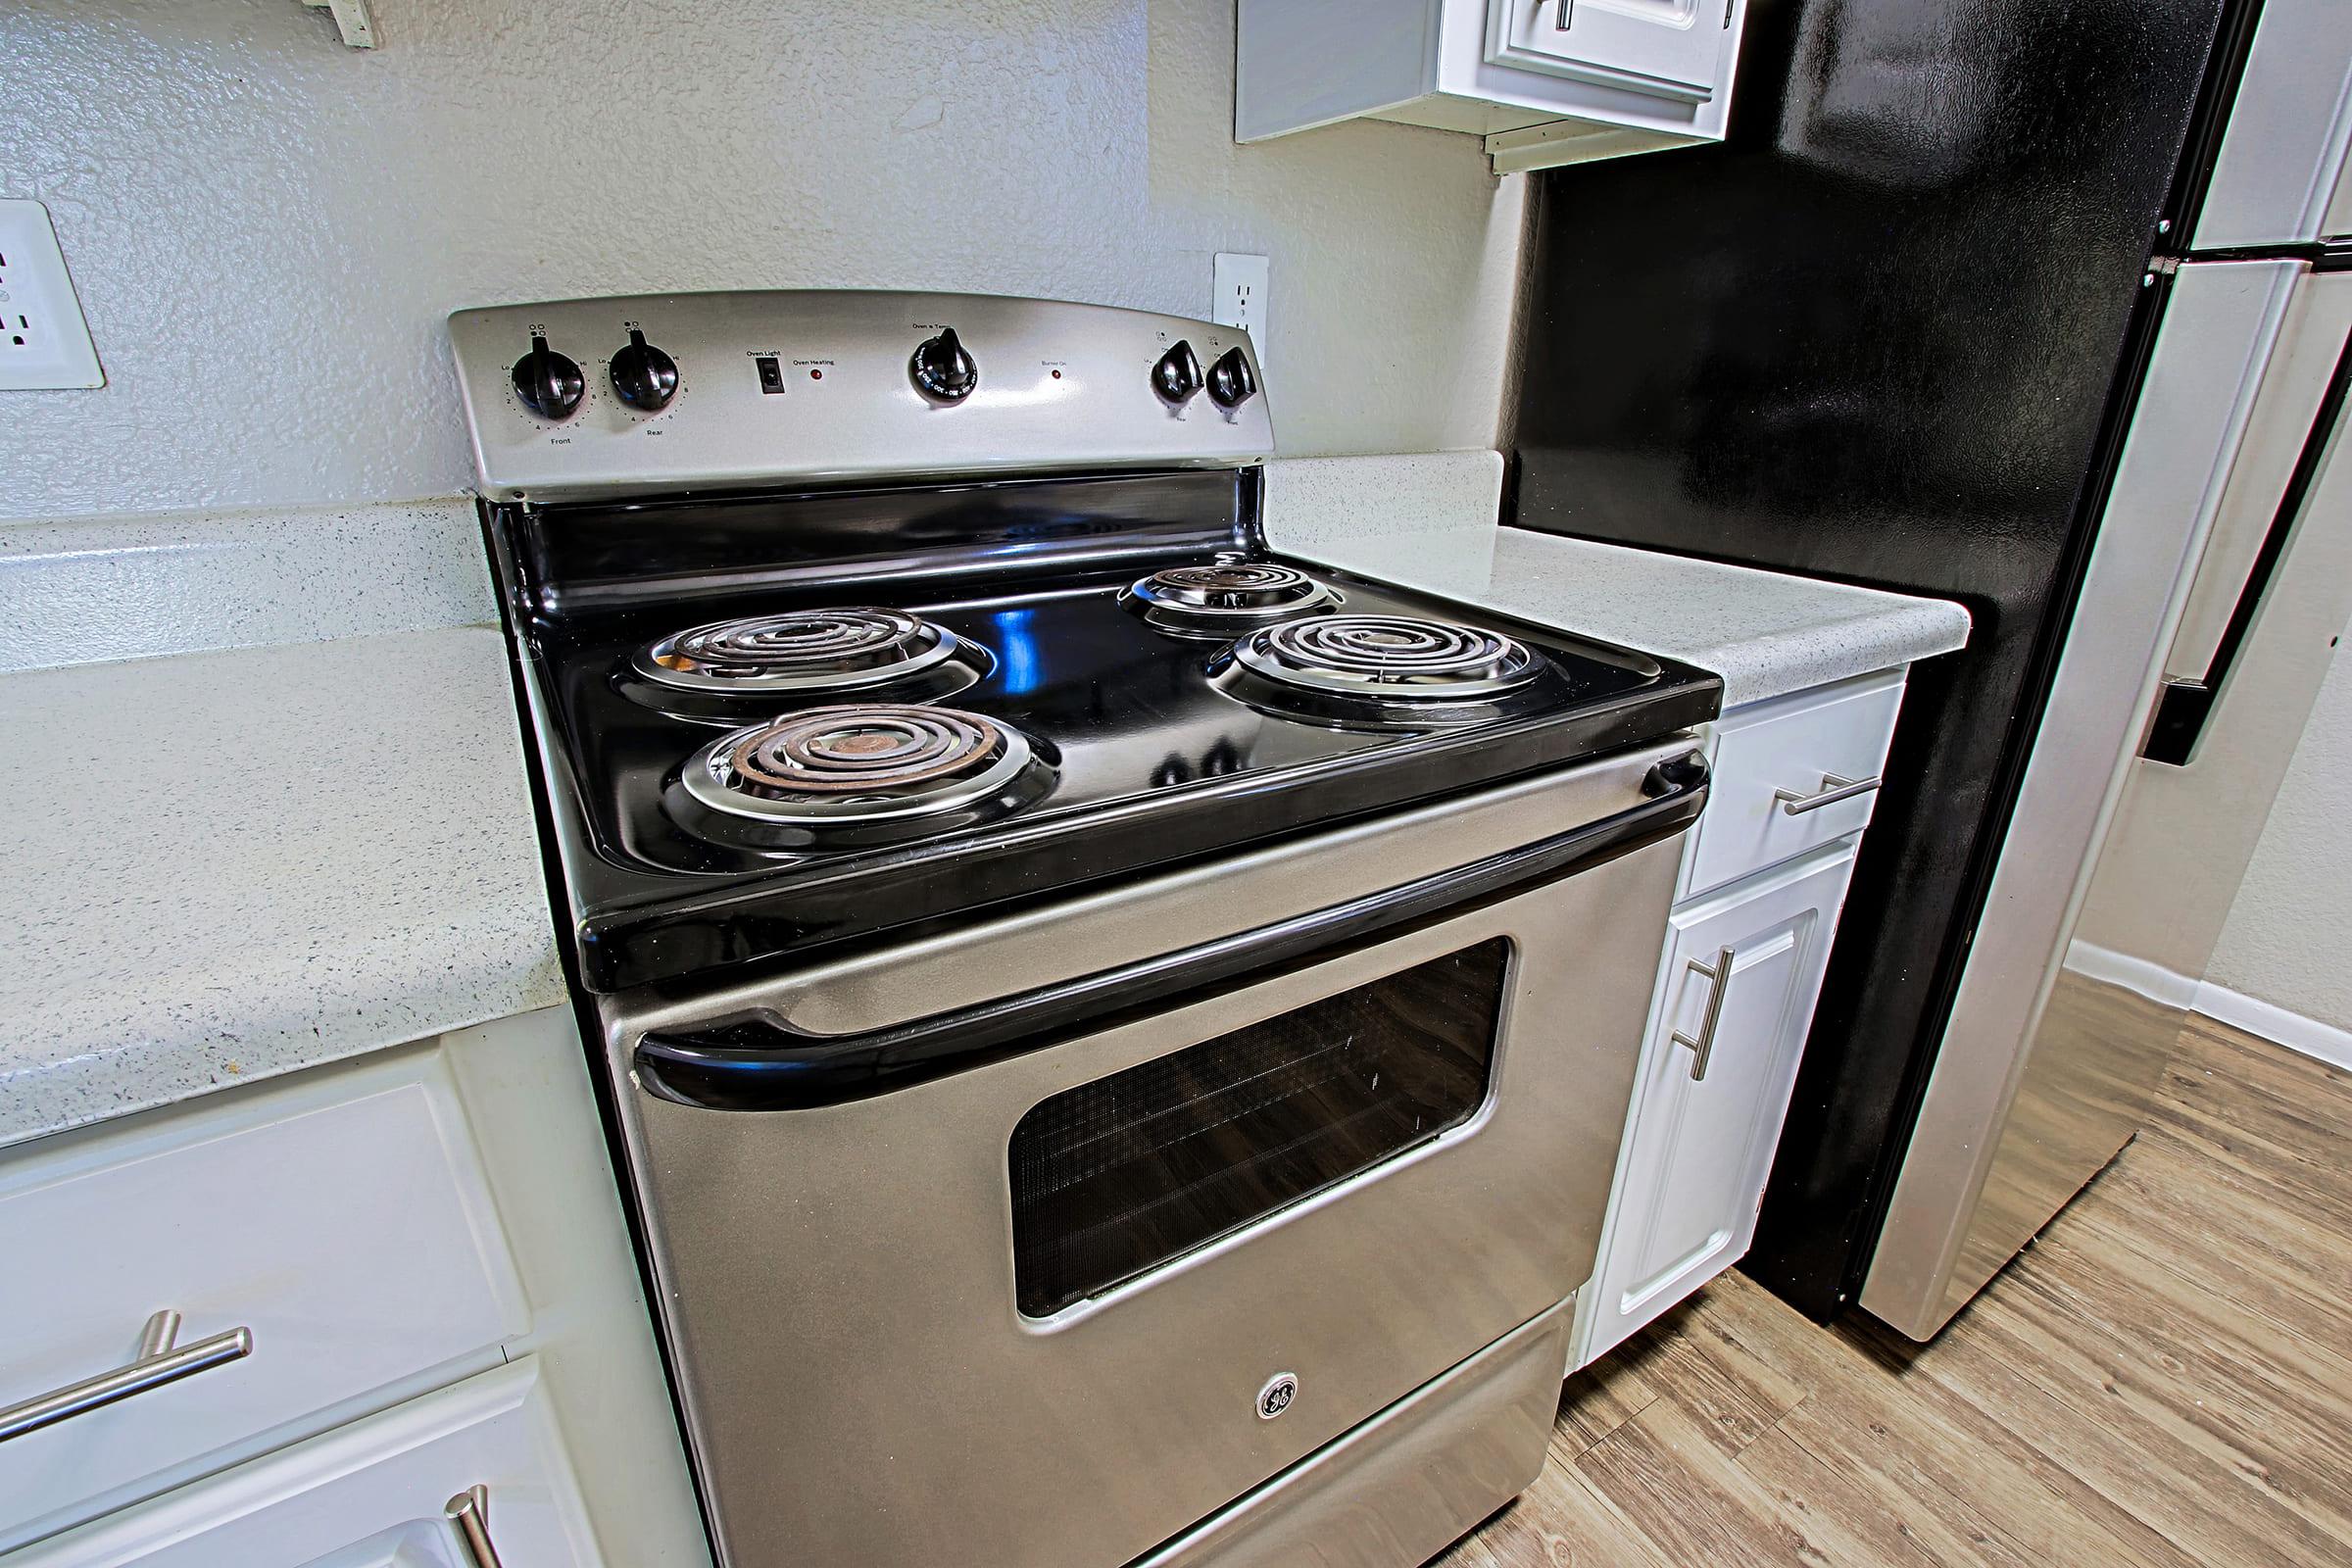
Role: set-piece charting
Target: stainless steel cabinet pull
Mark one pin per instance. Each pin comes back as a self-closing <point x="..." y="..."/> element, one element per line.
<point x="158" y="1363"/>
<point x="470" y="1511"/>
<point x="1719" y="980"/>
<point x="1833" y="790"/>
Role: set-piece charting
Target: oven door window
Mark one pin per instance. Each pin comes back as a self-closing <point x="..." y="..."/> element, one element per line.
<point x="1121" y="1175"/>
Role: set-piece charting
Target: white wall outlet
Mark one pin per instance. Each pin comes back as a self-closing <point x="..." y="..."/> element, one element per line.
<point x="43" y="340"/>
<point x="1240" y="297"/>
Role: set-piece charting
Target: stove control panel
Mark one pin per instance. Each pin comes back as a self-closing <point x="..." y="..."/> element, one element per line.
<point x="578" y="399"/>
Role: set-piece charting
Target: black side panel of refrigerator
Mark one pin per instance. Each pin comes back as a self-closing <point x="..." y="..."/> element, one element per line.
<point x="1884" y="334"/>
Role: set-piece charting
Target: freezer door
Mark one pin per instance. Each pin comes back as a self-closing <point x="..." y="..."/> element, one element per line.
<point x="2279" y="176"/>
<point x="2042" y="1074"/>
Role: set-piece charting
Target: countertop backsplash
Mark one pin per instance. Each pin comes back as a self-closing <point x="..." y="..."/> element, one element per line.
<point x="88" y="590"/>
<point x="91" y="589"/>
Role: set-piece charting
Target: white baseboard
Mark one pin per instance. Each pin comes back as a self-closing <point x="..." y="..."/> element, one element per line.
<point x="2323" y="1042"/>
<point x="2164" y="986"/>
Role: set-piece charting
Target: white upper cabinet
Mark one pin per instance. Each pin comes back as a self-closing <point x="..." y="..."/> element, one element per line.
<point x="1668" y="48"/>
<point x="1545" y="82"/>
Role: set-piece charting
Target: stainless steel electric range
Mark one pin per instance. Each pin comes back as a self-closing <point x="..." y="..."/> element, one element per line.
<point x="1119" y="1039"/>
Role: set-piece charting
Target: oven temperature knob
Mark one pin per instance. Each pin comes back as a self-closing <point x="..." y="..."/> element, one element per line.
<point x="549" y="383"/>
<point x="1177" y="375"/>
<point x="941" y="371"/>
<point x="1230" y="383"/>
<point x="645" y="377"/>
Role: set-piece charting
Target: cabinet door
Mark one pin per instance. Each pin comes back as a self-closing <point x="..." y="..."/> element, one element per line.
<point x="1678" y="49"/>
<point x="1736" y="998"/>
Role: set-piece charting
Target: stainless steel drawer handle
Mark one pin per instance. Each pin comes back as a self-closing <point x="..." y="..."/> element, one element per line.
<point x="470" y="1511"/>
<point x="1718" y="976"/>
<point x="158" y="1363"/>
<point x="1833" y="790"/>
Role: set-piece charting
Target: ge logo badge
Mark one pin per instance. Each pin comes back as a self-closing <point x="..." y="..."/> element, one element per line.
<point x="1276" y="1397"/>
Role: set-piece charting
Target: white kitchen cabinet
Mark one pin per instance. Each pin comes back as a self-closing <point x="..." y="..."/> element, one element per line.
<point x="1545" y="82"/>
<point x="1819" y="752"/>
<point x="1742" y="974"/>
<point x="342" y="1222"/>
<point x="374" y="1494"/>
<point x="399" y="1236"/>
<point x="1664" y="48"/>
<point x="1764" y="879"/>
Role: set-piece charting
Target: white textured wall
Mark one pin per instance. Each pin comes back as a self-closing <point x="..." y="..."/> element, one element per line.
<point x="2291" y="928"/>
<point x="266" y="228"/>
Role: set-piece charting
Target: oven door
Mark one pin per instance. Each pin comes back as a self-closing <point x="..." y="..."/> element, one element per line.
<point x="1036" y="1245"/>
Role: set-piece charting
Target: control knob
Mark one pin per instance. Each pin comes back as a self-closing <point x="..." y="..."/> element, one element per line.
<point x="941" y="371"/>
<point x="549" y="383"/>
<point x="645" y="377"/>
<point x="1177" y="375"/>
<point x="1231" y="384"/>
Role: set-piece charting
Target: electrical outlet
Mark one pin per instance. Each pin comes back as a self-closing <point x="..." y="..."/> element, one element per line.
<point x="43" y="340"/>
<point x="1240" y="297"/>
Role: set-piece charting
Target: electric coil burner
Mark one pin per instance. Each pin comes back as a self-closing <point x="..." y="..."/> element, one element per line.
<point x="1392" y="655"/>
<point x="1225" y="598"/>
<point x="1231" y="1000"/>
<point x="1385" y="671"/>
<point x="805" y="653"/>
<point x="862" y="766"/>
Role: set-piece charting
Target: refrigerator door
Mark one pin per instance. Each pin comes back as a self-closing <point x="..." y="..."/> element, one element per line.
<point x="1874" y="336"/>
<point x="2118" y="870"/>
<point x="2282" y="176"/>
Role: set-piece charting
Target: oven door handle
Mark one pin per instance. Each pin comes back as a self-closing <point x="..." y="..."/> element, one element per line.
<point x="762" y="1063"/>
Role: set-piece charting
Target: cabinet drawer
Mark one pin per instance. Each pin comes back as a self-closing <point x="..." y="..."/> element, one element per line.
<point x="342" y="1219"/>
<point x="1790" y="747"/>
<point x="371" y="1495"/>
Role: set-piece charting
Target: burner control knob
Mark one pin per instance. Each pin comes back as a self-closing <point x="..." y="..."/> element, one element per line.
<point x="1177" y="375"/>
<point x="549" y="383"/>
<point x="645" y="377"/>
<point x="1230" y="381"/>
<point x="941" y="371"/>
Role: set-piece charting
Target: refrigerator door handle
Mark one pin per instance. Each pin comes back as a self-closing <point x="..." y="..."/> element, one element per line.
<point x="2186" y="698"/>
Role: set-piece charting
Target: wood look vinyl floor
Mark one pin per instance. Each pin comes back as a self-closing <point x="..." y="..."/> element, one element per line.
<point x="2165" y="1377"/>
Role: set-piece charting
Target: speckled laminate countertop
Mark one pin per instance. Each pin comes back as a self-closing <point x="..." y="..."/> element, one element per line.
<point x="219" y="865"/>
<point x="1428" y="521"/>
<point x="216" y="866"/>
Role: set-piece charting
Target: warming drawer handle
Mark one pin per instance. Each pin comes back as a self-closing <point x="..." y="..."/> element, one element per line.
<point x="158" y="1362"/>
<point x="1833" y="790"/>
<point x="470" y="1511"/>
<point x="1718" y="976"/>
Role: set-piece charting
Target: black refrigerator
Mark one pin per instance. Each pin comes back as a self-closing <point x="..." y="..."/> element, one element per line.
<point x="1892" y="331"/>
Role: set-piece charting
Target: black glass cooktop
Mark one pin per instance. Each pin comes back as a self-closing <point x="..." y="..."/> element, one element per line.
<point x="728" y="792"/>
